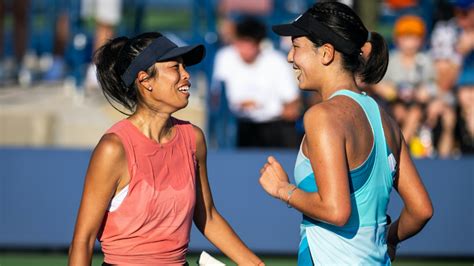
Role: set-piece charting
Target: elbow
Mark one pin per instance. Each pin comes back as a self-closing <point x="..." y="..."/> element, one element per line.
<point x="204" y="218"/>
<point x="341" y="218"/>
<point x="423" y="213"/>
<point x="426" y="213"/>
<point x="339" y="215"/>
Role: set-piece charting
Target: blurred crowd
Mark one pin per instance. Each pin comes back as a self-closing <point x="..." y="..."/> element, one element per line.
<point x="429" y="84"/>
<point x="253" y="99"/>
<point x="40" y="40"/>
<point x="428" y="87"/>
<point x="428" y="91"/>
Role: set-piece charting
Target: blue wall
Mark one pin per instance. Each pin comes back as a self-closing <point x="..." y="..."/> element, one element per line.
<point x="40" y="190"/>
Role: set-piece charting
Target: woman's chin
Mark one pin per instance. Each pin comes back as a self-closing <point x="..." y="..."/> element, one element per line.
<point x="302" y="86"/>
<point x="183" y="105"/>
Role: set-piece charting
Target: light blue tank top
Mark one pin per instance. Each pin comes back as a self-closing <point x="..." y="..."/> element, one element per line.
<point x="362" y="239"/>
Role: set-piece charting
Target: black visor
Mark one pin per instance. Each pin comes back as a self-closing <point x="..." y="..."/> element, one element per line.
<point x="307" y="25"/>
<point x="162" y="49"/>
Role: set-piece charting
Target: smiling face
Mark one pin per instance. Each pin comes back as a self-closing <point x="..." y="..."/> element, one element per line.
<point x="305" y="59"/>
<point x="169" y="88"/>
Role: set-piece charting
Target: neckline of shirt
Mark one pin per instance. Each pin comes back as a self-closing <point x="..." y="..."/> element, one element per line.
<point x="153" y="142"/>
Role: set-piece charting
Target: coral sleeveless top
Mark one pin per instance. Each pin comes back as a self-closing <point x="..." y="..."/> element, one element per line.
<point x="153" y="222"/>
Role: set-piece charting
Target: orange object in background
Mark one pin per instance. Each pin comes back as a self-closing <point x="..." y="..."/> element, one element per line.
<point x="400" y="4"/>
<point x="409" y="25"/>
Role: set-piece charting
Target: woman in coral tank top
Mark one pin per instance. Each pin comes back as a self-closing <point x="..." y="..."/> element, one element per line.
<point x="147" y="178"/>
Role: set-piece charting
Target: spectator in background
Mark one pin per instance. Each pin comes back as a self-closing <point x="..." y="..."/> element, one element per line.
<point x="228" y="11"/>
<point x="409" y="87"/>
<point x="465" y="122"/>
<point x="107" y="14"/>
<point x="30" y="63"/>
<point x="260" y="88"/>
<point x="9" y="67"/>
<point x="464" y="13"/>
<point x="409" y="80"/>
<point x="226" y="30"/>
<point x="57" y="69"/>
<point x="453" y="51"/>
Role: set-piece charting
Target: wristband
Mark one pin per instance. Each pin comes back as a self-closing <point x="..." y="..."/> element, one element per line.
<point x="290" y="193"/>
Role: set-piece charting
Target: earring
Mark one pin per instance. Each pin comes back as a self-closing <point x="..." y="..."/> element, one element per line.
<point x="150" y="88"/>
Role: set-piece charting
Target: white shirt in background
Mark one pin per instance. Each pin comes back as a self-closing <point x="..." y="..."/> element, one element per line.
<point x="269" y="82"/>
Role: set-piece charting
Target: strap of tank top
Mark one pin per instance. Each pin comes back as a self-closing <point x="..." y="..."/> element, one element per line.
<point x="187" y="129"/>
<point x="122" y="130"/>
<point x="187" y="132"/>
<point x="372" y="112"/>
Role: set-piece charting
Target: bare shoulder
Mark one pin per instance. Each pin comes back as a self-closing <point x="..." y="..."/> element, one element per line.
<point x="110" y="148"/>
<point x="201" y="147"/>
<point x="108" y="163"/>
<point x="199" y="134"/>
<point x="318" y="112"/>
<point x="322" y="117"/>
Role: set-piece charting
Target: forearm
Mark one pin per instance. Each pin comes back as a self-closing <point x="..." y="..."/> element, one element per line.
<point x="80" y="253"/>
<point x="405" y="227"/>
<point x="313" y="205"/>
<point x="219" y="233"/>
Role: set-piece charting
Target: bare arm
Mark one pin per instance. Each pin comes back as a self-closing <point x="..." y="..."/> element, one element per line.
<point x="107" y="165"/>
<point x="417" y="208"/>
<point x="326" y="150"/>
<point x="208" y="220"/>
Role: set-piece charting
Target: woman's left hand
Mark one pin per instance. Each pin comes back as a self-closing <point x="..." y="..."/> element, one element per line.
<point x="273" y="178"/>
<point x="392" y="238"/>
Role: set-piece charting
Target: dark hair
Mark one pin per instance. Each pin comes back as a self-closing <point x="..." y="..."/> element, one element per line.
<point x="251" y="28"/>
<point x="112" y="59"/>
<point x="345" y="22"/>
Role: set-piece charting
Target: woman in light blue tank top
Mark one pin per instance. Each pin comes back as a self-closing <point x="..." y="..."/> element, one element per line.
<point x="352" y="154"/>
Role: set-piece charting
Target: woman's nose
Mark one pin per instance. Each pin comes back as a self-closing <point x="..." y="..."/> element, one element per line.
<point x="184" y="73"/>
<point x="289" y="58"/>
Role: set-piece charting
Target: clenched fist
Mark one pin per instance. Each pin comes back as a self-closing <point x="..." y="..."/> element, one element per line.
<point x="274" y="179"/>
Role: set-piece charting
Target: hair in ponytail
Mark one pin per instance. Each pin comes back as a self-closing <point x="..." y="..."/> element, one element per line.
<point x="112" y="59"/>
<point x="377" y="62"/>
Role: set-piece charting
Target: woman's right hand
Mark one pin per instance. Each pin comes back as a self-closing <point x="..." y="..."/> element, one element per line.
<point x="273" y="178"/>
